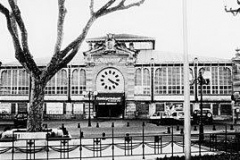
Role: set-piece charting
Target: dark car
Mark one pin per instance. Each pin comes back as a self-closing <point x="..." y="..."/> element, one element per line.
<point x="20" y="120"/>
<point x="207" y="116"/>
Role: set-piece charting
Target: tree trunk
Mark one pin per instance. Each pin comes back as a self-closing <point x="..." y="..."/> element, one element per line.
<point x="36" y="101"/>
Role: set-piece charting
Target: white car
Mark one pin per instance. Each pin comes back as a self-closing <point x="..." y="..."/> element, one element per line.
<point x="16" y="133"/>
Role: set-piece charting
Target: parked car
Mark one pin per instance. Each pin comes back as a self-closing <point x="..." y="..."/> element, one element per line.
<point x="20" y="120"/>
<point x="207" y="116"/>
<point x="167" y="118"/>
<point x="53" y="134"/>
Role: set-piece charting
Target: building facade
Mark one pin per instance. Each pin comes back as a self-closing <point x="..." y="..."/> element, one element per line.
<point x="122" y="76"/>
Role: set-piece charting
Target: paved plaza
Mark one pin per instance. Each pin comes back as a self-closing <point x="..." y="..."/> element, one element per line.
<point x="121" y="128"/>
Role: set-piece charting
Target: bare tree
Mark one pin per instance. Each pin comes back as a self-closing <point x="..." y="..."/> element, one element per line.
<point x="233" y="11"/>
<point x="60" y="58"/>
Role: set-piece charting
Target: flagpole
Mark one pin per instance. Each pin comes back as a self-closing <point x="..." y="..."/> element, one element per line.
<point x="187" y="120"/>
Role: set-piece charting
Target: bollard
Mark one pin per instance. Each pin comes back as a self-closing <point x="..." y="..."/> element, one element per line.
<point x="181" y="132"/>
<point x="168" y="130"/>
<point x="81" y="135"/>
<point x="231" y="127"/>
<point x="103" y="136"/>
<point x="214" y="128"/>
<point x="195" y="128"/>
<point x="177" y="128"/>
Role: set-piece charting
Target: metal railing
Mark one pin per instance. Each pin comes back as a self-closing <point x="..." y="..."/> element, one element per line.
<point x="114" y="146"/>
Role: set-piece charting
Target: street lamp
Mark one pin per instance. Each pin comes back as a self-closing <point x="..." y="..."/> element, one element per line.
<point x="195" y="62"/>
<point x="202" y="79"/>
<point x="89" y="94"/>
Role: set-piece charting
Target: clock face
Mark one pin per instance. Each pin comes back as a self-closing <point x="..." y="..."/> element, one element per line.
<point x="110" y="80"/>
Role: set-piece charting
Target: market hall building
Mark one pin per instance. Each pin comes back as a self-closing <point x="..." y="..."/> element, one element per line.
<point x="121" y="76"/>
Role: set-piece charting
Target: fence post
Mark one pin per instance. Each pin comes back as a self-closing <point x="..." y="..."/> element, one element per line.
<point x="225" y="138"/>
<point x="47" y="149"/>
<point x="172" y="140"/>
<point x="80" y="141"/>
<point x="143" y="143"/>
<point x="112" y="140"/>
<point x="199" y="141"/>
<point x="13" y="145"/>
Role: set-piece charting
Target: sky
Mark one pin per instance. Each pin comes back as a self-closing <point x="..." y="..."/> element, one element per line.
<point x="211" y="31"/>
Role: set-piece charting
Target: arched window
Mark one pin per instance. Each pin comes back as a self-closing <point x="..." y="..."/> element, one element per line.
<point x="146" y="81"/>
<point x="207" y="88"/>
<point x="82" y="81"/>
<point x="225" y="80"/>
<point x="174" y="80"/>
<point x="62" y="81"/>
<point x="138" y="77"/>
<point x="146" y="77"/>
<point x="14" y="81"/>
<point x="23" y="82"/>
<point x="78" y="81"/>
<point x="225" y="86"/>
<point x="5" y="82"/>
<point x="160" y="81"/>
<point x="74" y="81"/>
<point x="50" y="87"/>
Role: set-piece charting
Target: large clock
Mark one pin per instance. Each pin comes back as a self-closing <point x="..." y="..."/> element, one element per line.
<point x="110" y="80"/>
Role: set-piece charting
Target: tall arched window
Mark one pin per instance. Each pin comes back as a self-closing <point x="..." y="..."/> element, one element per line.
<point x="74" y="81"/>
<point x="160" y="81"/>
<point x="138" y="77"/>
<point x="50" y="87"/>
<point x="146" y="81"/>
<point x="207" y="88"/>
<point x="62" y="81"/>
<point x="174" y="80"/>
<point x="78" y="81"/>
<point x="82" y="81"/>
<point x="23" y="82"/>
<point x="5" y="82"/>
<point x="224" y="80"/>
<point x="14" y="81"/>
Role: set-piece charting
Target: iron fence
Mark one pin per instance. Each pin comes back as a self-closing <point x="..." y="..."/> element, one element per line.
<point x="113" y="146"/>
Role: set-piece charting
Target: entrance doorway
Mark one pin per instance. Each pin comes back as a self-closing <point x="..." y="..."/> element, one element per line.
<point x="109" y="111"/>
<point x="110" y="105"/>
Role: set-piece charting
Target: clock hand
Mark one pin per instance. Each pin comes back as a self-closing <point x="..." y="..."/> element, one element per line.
<point x="112" y="81"/>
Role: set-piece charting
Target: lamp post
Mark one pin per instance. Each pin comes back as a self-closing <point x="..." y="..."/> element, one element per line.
<point x="89" y="94"/>
<point x="202" y="79"/>
<point x="195" y="75"/>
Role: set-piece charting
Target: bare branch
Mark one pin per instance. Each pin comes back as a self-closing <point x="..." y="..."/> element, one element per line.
<point x="18" y="18"/>
<point x="6" y="13"/>
<point x="234" y="12"/>
<point x="57" y="58"/>
<point x="91" y="7"/>
<point x="77" y="42"/>
<point x="67" y="54"/>
<point x="133" y="4"/>
<point x="24" y="55"/>
<point x="61" y="17"/>
<point x="104" y="7"/>
<point x="238" y="2"/>
<point x="120" y="6"/>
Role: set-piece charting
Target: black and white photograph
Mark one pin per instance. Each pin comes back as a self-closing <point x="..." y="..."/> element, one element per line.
<point x="119" y="79"/>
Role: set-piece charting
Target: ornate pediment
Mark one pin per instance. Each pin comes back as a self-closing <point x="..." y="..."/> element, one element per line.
<point x="110" y="51"/>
